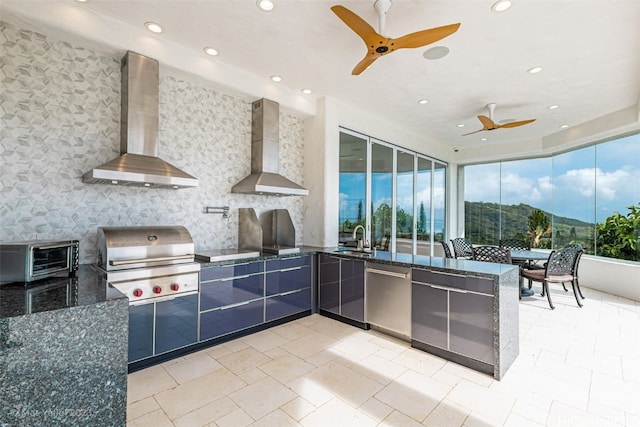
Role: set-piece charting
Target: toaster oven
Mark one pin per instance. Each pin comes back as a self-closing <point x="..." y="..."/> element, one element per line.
<point x="31" y="260"/>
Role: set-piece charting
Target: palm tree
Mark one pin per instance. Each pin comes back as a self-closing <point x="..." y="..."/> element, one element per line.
<point x="539" y="226"/>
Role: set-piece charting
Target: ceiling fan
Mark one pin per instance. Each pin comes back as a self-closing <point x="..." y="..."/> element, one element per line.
<point x="379" y="45"/>
<point x="489" y="124"/>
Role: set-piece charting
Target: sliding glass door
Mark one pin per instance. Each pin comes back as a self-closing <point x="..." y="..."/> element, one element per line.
<point x="404" y="193"/>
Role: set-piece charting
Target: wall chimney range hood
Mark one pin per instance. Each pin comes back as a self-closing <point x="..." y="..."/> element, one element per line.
<point x="265" y="155"/>
<point x="139" y="164"/>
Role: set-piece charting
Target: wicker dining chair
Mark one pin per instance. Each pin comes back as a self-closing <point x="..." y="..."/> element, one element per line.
<point x="491" y="254"/>
<point x="446" y="249"/>
<point x="561" y="267"/>
<point x="461" y="247"/>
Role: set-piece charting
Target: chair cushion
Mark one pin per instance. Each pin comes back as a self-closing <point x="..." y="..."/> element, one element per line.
<point x="539" y="276"/>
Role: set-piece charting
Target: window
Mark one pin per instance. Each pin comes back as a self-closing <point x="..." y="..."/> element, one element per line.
<point x="404" y="193"/>
<point x="575" y="190"/>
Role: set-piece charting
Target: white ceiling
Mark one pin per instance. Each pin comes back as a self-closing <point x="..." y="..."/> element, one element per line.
<point x="589" y="49"/>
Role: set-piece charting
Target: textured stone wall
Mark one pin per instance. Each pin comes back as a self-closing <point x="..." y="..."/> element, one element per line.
<point x="60" y="117"/>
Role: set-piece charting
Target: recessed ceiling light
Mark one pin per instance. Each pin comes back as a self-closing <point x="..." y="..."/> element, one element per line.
<point x="501" y="6"/>
<point x="211" y="51"/>
<point x="483" y="139"/>
<point x="81" y="1"/>
<point x="460" y="125"/>
<point x="266" y="5"/>
<point x="436" y="52"/>
<point x="153" y="27"/>
<point x="553" y="107"/>
<point x="423" y="101"/>
<point x="534" y="70"/>
<point x="276" y="79"/>
<point x="564" y="126"/>
<point x="306" y="91"/>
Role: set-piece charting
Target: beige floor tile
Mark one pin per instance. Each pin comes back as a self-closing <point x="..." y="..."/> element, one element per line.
<point x="286" y="368"/>
<point x="376" y="409"/>
<point x="147" y="382"/>
<point x="398" y="419"/>
<point x="532" y="410"/>
<point x="567" y="416"/>
<point x="264" y="340"/>
<point x="276" y="352"/>
<point x="141" y="407"/>
<point x="377" y="368"/>
<point x="483" y="402"/>
<point x="607" y="412"/>
<point x="196" y="393"/>
<point x="207" y="414"/>
<point x="298" y="408"/>
<point x="447" y="414"/>
<point x="355" y="348"/>
<point x="252" y="375"/>
<point x="276" y="419"/>
<point x="156" y="418"/>
<point x="414" y="394"/>
<point x="292" y="330"/>
<point x="515" y="420"/>
<point x="217" y="351"/>
<point x="322" y="357"/>
<point x="336" y="412"/>
<point x="615" y="392"/>
<point x="237" y="418"/>
<point x="603" y="363"/>
<point x="243" y="360"/>
<point x="262" y="397"/>
<point x="236" y="345"/>
<point x="309" y="345"/>
<point x="185" y="369"/>
<point x="419" y="361"/>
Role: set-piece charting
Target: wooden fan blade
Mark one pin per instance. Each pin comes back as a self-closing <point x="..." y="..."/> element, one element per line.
<point x="357" y="24"/>
<point x="481" y="130"/>
<point x="516" y="124"/>
<point x="487" y="123"/>
<point x="424" y="37"/>
<point x="362" y="65"/>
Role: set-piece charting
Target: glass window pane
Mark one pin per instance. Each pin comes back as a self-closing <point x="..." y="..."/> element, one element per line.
<point x="482" y="203"/>
<point x="423" y="199"/>
<point x="404" y="202"/>
<point x="381" y="195"/>
<point x="353" y="174"/>
<point x="439" y="200"/>
<point x="574" y="181"/>
<point x="525" y="186"/>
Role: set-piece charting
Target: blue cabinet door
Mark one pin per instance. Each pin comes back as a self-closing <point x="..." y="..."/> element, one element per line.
<point x="352" y="289"/>
<point x="223" y="292"/>
<point x="329" y="283"/>
<point x="176" y="323"/>
<point x="290" y="303"/>
<point x="278" y="282"/>
<point x="140" y="331"/>
<point x="222" y="321"/>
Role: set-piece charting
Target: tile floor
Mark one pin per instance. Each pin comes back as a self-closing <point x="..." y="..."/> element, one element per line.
<point x="577" y="367"/>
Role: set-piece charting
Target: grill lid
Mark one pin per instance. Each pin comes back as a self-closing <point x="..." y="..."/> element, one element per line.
<point x="143" y="246"/>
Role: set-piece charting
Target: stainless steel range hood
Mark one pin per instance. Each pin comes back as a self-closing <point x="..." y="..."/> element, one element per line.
<point x="265" y="155"/>
<point x="139" y="164"/>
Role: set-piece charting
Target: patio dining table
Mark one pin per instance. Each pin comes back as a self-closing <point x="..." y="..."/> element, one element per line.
<point x="524" y="258"/>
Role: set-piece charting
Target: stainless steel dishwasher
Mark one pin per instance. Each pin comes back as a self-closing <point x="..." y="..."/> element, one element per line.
<point x="388" y="298"/>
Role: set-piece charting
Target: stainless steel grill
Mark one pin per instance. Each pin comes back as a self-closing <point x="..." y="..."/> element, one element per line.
<point x="148" y="264"/>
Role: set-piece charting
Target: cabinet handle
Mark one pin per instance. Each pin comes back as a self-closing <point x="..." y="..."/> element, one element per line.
<point x="287" y="293"/>
<point x="287" y="269"/>
<point x="239" y="304"/>
<point x="387" y="273"/>
<point x="444" y="288"/>
<point x="162" y="299"/>
<point x="116" y="262"/>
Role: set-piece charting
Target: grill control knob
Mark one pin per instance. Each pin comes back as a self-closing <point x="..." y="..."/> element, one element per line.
<point x="137" y="292"/>
<point x="175" y="286"/>
<point x="157" y="289"/>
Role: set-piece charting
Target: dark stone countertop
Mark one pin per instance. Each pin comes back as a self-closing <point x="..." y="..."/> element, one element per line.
<point x="86" y="288"/>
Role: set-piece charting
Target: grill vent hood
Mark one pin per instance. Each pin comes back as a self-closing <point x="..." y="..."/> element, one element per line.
<point x="265" y="155"/>
<point x="139" y="164"/>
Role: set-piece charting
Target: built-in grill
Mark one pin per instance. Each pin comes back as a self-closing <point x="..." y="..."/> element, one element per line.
<point x="148" y="264"/>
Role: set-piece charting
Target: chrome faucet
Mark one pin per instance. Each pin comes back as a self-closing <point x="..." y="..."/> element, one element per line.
<point x="361" y="243"/>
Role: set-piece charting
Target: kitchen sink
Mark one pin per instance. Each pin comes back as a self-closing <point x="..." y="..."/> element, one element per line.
<point x="355" y="252"/>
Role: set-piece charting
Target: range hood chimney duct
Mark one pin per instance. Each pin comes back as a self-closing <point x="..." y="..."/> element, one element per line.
<point x="265" y="155"/>
<point x="139" y="164"/>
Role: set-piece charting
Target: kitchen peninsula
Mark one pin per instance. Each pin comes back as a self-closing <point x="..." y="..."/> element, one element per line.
<point x="63" y="352"/>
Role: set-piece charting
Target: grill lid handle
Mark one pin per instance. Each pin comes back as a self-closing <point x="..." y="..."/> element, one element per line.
<point x="159" y="259"/>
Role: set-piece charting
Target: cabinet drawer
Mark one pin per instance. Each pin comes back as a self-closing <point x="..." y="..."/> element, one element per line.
<point x="284" y="305"/>
<point x="231" y="270"/>
<point x="283" y="263"/>
<point x="216" y="323"/>
<point x="278" y="282"/>
<point x="480" y="284"/>
<point x="457" y="281"/>
<point x="220" y="293"/>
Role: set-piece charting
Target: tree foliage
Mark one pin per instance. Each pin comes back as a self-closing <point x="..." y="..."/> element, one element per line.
<point x="539" y="228"/>
<point x="618" y="236"/>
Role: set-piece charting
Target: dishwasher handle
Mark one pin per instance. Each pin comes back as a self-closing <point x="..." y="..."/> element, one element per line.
<point x="387" y="273"/>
